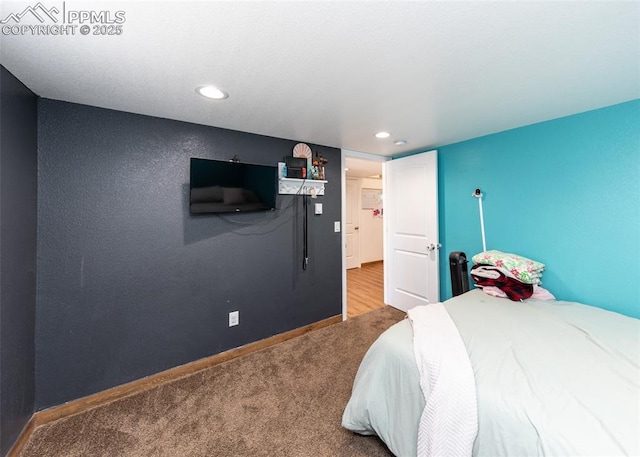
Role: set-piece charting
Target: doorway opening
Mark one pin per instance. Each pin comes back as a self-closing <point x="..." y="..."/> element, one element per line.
<point x="363" y="252"/>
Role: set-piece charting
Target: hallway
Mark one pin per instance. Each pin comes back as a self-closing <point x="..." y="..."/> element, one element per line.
<point x="365" y="288"/>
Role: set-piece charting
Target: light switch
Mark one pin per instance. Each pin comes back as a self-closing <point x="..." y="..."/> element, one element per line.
<point x="336" y="226"/>
<point x="318" y="208"/>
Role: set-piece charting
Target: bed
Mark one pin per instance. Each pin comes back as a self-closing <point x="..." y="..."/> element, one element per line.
<point x="551" y="378"/>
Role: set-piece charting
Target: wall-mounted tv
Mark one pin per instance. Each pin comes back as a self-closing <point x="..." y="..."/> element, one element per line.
<point x="218" y="186"/>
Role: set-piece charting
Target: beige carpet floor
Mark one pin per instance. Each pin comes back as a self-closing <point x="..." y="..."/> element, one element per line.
<point x="286" y="400"/>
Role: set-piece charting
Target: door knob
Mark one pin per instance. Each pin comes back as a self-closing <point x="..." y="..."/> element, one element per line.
<point x="433" y="247"/>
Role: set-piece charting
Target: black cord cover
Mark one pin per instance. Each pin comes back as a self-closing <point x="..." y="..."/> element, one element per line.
<point x="305" y="234"/>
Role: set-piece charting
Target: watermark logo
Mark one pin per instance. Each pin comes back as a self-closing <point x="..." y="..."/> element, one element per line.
<point x="38" y="11"/>
<point x="39" y="20"/>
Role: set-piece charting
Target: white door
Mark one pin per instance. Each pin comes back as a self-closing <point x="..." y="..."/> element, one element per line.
<point x="411" y="232"/>
<point x="352" y="233"/>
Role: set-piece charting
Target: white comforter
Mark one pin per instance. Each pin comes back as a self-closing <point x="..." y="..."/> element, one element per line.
<point x="449" y="421"/>
<point x="552" y="378"/>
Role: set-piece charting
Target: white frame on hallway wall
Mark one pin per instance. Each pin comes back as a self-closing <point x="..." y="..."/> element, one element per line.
<point x="343" y="216"/>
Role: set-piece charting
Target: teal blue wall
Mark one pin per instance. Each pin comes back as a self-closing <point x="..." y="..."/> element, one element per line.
<point x="565" y="192"/>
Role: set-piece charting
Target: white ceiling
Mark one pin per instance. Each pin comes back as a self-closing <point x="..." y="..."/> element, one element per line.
<point x="334" y="73"/>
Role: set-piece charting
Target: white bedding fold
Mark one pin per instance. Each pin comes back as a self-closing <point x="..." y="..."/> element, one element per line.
<point x="449" y="421"/>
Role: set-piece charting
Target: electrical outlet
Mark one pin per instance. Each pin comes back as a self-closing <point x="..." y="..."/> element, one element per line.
<point x="234" y="318"/>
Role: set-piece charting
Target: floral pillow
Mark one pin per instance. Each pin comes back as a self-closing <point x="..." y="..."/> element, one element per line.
<point x="526" y="270"/>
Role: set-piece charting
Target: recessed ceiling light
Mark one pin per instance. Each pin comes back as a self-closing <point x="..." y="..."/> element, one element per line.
<point x="383" y="135"/>
<point x="212" y="92"/>
<point x="400" y="142"/>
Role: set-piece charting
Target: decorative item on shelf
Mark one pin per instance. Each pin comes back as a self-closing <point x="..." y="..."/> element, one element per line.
<point x="319" y="162"/>
<point x="303" y="151"/>
<point x="296" y="167"/>
<point x="377" y="212"/>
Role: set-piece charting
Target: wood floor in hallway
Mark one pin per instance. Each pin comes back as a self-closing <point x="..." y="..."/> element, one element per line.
<point x="365" y="288"/>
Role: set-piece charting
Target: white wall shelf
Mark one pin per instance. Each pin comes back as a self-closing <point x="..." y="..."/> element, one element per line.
<point x="296" y="186"/>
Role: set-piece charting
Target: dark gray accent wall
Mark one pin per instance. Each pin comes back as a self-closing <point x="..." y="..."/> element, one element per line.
<point x="130" y="283"/>
<point x="18" y="195"/>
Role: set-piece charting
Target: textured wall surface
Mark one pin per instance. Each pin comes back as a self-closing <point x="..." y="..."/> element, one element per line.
<point x="18" y="187"/>
<point x="565" y="192"/>
<point x="130" y="283"/>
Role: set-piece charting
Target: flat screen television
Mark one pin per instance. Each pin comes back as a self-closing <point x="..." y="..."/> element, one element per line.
<point x="218" y="186"/>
